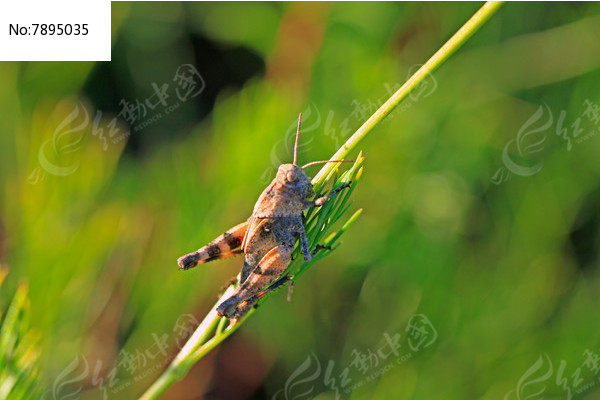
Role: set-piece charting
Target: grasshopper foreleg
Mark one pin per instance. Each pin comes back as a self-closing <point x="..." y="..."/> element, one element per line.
<point x="304" y="243"/>
<point x="306" y="253"/>
<point x="322" y="200"/>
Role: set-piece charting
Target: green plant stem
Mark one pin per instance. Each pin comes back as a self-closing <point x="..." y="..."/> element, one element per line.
<point x="453" y="44"/>
<point x="197" y="346"/>
<point x="199" y="343"/>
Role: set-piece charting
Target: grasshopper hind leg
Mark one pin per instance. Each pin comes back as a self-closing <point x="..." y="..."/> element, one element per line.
<point x="237" y="310"/>
<point x="226" y="245"/>
<point x="250" y="263"/>
<point x="269" y="270"/>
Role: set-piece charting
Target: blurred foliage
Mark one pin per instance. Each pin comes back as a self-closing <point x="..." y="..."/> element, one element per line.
<point x="19" y="352"/>
<point x="506" y="273"/>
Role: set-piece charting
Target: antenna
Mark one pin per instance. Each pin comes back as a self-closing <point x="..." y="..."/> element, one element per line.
<point x="324" y="162"/>
<point x="297" y="136"/>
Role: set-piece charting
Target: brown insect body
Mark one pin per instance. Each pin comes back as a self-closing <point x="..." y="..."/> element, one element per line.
<point x="267" y="239"/>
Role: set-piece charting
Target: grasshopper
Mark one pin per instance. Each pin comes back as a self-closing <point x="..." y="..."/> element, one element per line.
<point x="267" y="238"/>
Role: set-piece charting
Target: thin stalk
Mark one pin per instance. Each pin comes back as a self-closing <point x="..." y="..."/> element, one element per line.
<point x="453" y="44"/>
<point x="199" y="343"/>
<point x="179" y="366"/>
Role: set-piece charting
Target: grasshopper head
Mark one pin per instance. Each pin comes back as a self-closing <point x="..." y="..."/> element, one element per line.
<point x="294" y="178"/>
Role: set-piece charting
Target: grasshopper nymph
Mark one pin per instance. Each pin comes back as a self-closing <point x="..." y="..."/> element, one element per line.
<point x="267" y="238"/>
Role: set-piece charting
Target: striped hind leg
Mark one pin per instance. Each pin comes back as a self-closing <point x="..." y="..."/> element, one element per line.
<point x="226" y="245"/>
<point x="245" y="306"/>
<point x="269" y="270"/>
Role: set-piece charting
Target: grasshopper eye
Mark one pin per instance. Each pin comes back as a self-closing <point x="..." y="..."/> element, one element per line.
<point x="291" y="177"/>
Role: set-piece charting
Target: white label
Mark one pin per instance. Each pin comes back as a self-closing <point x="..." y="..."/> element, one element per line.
<point x="60" y="30"/>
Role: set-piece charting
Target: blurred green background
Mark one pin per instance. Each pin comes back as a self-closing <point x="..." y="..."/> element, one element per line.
<point x="481" y="199"/>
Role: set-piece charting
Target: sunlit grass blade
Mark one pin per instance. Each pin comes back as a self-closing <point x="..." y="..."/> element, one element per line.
<point x="329" y="241"/>
<point x="19" y="352"/>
